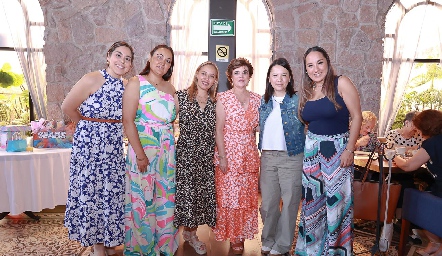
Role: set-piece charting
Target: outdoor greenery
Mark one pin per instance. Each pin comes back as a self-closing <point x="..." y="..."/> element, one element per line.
<point x="14" y="98"/>
<point x="430" y="98"/>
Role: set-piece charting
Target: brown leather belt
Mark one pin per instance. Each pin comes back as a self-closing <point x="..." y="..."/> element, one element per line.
<point x="100" y="120"/>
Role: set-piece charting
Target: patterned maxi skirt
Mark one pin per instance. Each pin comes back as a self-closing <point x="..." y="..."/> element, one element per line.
<point x="327" y="198"/>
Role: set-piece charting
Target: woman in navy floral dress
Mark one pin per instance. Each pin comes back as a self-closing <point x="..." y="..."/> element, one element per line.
<point x="95" y="205"/>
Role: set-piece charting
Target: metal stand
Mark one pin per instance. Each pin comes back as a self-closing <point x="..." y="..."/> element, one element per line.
<point x="380" y="148"/>
<point x="381" y="154"/>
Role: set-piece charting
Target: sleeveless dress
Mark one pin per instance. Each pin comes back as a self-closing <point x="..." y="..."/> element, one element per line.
<point x="237" y="190"/>
<point x="150" y="196"/>
<point x="195" y="174"/>
<point x="95" y="204"/>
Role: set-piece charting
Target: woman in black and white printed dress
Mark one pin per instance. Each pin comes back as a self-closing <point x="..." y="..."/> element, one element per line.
<point x="195" y="174"/>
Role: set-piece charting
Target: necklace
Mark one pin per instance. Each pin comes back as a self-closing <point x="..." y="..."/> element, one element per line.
<point x="153" y="83"/>
<point x="315" y="87"/>
<point x="243" y="99"/>
<point x="278" y="100"/>
<point x="202" y="100"/>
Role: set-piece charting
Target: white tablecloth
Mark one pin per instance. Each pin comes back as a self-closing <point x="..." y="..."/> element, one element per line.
<point x="32" y="181"/>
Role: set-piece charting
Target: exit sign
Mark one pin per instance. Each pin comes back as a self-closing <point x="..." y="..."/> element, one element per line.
<point x="220" y="27"/>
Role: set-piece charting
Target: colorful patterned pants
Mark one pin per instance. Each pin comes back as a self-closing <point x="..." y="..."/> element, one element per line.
<point x="327" y="198"/>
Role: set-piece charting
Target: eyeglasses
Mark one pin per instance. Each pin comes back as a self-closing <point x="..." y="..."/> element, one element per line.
<point x="160" y="57"/>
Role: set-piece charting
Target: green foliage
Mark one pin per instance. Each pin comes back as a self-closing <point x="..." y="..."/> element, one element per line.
<point x="9" y="78"/>
<point x="14" y="108"/>
<point x="433" y="72"/>
<point x="6" y="79"/>
<point x="428" y="99"/>
<point x="14" y="99"/>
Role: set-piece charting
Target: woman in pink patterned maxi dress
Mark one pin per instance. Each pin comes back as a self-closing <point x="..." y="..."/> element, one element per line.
<point x="237" y="158"/>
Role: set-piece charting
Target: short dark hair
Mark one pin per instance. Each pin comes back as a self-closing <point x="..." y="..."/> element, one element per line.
<point x="166" y="76"/>
<point x="236" y="63"/>
<point x="410" y="115"/>
<point x="429" y="122"/>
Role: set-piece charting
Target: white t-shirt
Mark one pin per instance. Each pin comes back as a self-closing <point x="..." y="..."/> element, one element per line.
<point x="273" y="135"/>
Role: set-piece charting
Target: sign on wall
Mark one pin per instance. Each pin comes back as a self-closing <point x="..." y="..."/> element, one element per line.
<point x="222" y="27"/>
<point x="222" y="53"/>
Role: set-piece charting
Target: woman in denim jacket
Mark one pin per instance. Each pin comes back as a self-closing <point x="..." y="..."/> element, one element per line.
<point x="281" y="141"/>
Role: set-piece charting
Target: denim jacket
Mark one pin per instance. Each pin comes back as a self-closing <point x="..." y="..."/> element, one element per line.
<point x="292" y="126"/>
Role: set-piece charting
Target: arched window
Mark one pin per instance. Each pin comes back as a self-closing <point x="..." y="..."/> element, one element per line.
<point x="189" y="39"/>
<point x="413" y="40"/>
<point x="23" y="25"/>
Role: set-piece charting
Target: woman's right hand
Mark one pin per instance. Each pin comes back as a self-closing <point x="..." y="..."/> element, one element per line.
<point x="142" y="163"/>
<point x="223" y="164"/>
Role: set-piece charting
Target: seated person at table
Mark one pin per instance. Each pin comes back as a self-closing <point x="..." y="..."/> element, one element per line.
<point x="429" y="123"/>
<point x="367" y="139"/>
<point x="407" y="136"/>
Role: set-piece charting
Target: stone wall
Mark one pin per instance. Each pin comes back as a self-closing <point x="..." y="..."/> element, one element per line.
<point x="78" y="34"/>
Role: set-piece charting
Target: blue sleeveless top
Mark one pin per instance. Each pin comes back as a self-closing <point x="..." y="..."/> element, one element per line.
<point x="322" y="116"/>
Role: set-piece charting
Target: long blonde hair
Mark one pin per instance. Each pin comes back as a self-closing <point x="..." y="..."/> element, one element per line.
<point x="193" y="88"/>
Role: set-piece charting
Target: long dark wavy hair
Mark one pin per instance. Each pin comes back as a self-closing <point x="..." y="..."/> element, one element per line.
<point x="290" y="90"/>
<point x="193" y="90"/>
<point x="307" y="83"/>
<point x="146" y="69"/>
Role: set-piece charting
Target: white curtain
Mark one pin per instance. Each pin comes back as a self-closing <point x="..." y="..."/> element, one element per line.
<point x="189" y="39"/>
<point x="189" y="31"/>
<point x="253" y="40"/>
<point x="25" y="20"/>
<point x="400" y="45"/>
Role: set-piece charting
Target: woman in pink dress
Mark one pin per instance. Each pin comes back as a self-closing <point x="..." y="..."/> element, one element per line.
<point x="237" y="158"/>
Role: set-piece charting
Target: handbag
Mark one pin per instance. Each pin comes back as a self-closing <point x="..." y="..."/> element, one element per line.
<point x="16" y="144"/>
<point x="366" y="199"/>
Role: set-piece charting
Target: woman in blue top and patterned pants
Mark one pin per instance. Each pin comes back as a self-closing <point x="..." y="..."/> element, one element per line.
<point x="281" y="140"/>
<point x="326" y="104"/>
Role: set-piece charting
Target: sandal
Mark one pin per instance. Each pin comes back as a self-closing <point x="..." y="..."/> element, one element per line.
<point x="432" y="246"/>
<point x="186" y="235"/>
<point x="237" y="247"/>
<point x="192" y="238"/>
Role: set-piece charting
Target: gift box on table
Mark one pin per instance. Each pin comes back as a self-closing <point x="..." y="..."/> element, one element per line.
<point x="16" y="133"/>
<point x="52" y="134"/>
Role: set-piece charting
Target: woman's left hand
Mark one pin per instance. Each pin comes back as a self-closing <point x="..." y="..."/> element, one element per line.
<point x="347" y="158"/>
